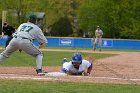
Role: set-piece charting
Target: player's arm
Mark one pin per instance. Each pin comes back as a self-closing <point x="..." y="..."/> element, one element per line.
<point x="41" y="38"/>
<point x="89" y="69"/>
<point x="102" y="32"/>
<point x="87" y="73"/>
<point x="42" y="44"/>
<point x="95" y="33"/>
<point x="71" y="73"/>
<point x="66" y="69"/>
<point x="3" y="32"/>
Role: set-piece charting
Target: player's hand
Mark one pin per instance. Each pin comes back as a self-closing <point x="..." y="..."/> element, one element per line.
<point x="85" y="74"/>
<point x="42" y="45"/>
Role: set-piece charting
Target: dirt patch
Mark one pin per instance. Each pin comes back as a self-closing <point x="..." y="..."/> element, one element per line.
<point x="123" y="68"/>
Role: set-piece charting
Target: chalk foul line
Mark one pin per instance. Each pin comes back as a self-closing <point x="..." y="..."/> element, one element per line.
<point x="31" y="77"/>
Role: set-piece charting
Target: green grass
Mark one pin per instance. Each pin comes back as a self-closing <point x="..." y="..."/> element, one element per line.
<point x="8" y="86"/>
<point x="51" y="58"/>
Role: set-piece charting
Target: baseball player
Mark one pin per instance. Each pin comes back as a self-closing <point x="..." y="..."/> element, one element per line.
<point x="77" y="66"/>
<point x="98" y="39"/>
<point x="8" y="30"/>
<point x="22" y="39"/>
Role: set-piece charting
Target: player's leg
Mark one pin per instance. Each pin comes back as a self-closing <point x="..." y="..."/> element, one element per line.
<point x="8" y="40"/>
<point x="39" y="58"/>
<point x="8" y="50"/>
<point x="95" y="42"/>
<point x="32" y="50"/>
<point x="100" y="44"/>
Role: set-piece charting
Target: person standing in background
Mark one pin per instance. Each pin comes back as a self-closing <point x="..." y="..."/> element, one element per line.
<point x="98" y="39"/>
<point x="8" y="30"/>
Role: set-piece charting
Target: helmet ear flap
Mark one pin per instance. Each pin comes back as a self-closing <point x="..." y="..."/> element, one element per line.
<point x="81" y="62"/>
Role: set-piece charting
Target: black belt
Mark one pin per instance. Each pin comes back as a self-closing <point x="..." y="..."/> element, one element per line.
<point x="22" y="38"/>
<point x="25" y="38"/>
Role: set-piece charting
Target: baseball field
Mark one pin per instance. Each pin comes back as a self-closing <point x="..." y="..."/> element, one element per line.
<point x="113" y="72"/>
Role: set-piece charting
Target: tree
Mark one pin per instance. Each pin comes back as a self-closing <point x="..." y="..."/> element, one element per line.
<point x="20" y="8"/>
<point x="65" y="8"/>
<point x="130" y="19"/>
<point x="118" y="18"/>
<point x="62" y="28"/>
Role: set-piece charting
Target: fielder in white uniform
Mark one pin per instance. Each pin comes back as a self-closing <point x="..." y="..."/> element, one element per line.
<point x="98" y="39"/>
<point x="22" y="39"/>
<point x="77" y="66"/>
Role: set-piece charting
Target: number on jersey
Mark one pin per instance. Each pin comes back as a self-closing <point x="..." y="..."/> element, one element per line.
<point x="26" y="28"/>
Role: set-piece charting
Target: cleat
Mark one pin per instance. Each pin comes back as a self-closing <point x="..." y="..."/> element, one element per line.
<point x="40" y="72"/>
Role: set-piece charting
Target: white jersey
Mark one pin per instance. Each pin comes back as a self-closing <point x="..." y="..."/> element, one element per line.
<point x="31" y="31"/>
<point x="83" y="66"/>
<point x="98" y="31"/>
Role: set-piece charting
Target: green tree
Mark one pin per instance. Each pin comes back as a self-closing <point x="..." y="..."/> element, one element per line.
<point x="62" y="28"/>
<point x="20" y="8"/>
<point x="64" y="8"/>
<point x="117" y="18"/>
<point x="130" y="19"/>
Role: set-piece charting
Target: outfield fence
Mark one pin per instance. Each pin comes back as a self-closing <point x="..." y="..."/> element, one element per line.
<point x="87" y="43"/>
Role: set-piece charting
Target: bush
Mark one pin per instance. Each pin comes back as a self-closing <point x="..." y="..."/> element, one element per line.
<point x="62" y="27"/>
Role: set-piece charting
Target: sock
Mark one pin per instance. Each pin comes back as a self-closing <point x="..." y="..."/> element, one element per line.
<point x="39" y="61"/>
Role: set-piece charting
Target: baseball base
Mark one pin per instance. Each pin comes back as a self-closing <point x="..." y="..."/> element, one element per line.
<point x="55" y="74"/>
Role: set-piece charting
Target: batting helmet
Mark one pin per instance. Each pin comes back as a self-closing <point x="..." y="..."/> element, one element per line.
<point x="77" y="58"/>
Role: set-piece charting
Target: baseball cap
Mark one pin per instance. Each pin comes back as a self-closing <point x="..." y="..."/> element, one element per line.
<point x="32" y="17"/>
